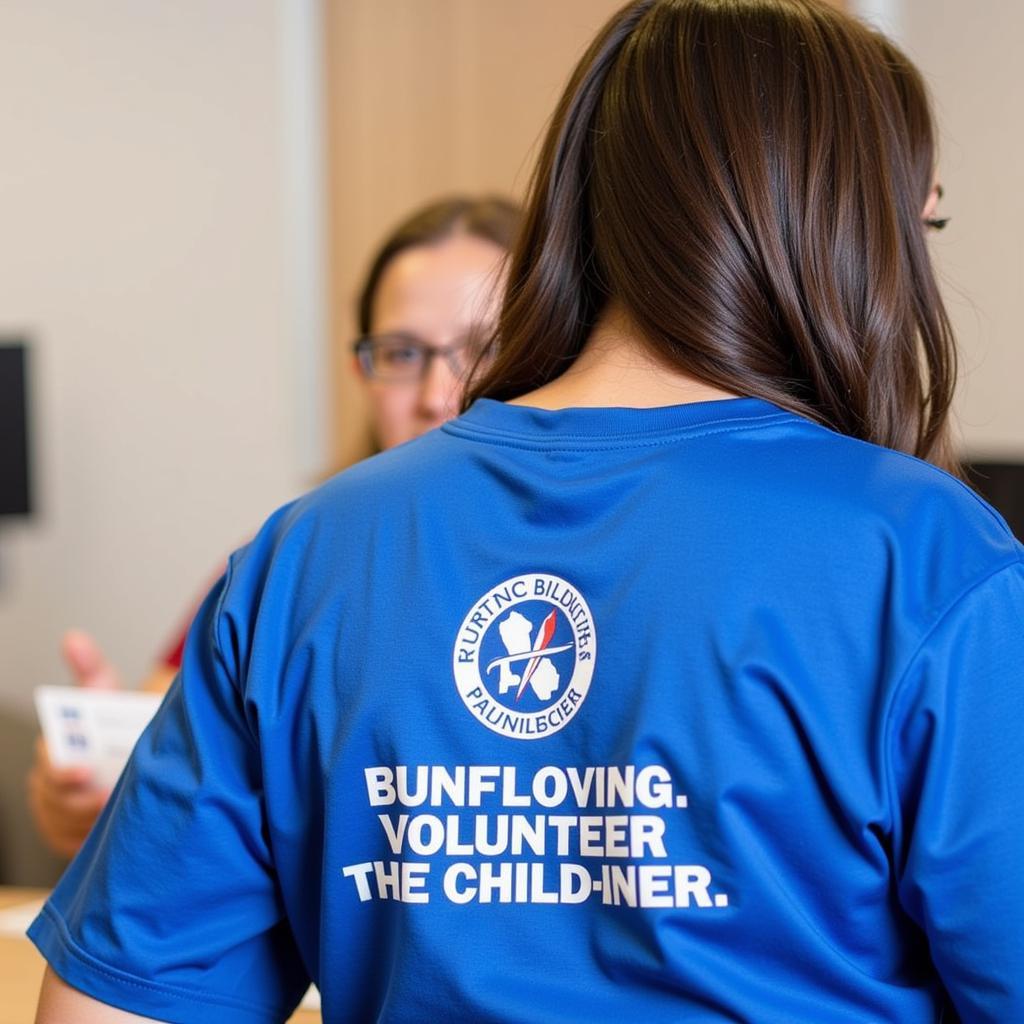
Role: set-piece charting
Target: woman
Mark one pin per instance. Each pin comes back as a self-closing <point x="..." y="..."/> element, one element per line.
<point x="663" y="684"/>
<point x="429" y="291"/>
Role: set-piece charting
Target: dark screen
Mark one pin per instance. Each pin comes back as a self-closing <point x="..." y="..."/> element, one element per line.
<point x="1001" y="484"/>
<point x="14" y="441"/>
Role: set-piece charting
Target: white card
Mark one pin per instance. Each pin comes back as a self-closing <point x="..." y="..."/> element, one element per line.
<point x="97" y="728"/>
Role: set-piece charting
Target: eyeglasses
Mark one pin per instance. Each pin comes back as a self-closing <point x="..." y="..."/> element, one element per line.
<point x="401" y="357"/>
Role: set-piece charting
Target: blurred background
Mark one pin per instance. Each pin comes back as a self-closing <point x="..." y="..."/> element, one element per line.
<point x="188" y="194"/>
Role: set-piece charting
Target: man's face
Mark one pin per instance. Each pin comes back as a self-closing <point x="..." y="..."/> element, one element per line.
<point x="440" y="294"/>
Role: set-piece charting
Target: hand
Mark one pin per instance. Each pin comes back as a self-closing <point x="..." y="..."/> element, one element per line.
<point x="63" y="802"/>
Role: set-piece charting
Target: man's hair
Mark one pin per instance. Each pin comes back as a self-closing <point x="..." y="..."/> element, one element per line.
<point x="745" y="178"/>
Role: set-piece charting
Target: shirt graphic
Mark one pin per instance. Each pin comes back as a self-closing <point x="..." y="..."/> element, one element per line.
<point x="524" y="656"/>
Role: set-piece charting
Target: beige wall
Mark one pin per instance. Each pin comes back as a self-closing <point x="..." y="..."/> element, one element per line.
<point x="143" y="209"/>
<point x="971" y="58"/>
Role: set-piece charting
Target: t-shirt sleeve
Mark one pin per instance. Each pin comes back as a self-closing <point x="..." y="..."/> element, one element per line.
<point x="957" y="749"/>
<point x="172" y="908"/>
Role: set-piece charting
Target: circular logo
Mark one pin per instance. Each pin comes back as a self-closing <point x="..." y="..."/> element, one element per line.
<point x="524" y="656"/>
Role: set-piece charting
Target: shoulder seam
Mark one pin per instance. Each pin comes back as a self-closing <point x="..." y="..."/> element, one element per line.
<point x="904" y="676"/>
<point x="218" y="615"/>
<point x="984" y="505"/>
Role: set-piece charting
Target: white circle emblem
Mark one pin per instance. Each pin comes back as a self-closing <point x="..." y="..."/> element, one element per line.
<point x="524" y="656"/>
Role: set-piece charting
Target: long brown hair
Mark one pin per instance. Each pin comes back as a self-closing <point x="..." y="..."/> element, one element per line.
<point x="746" y="179"/>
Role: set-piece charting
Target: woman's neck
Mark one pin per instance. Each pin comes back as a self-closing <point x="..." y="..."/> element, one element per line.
<point x="617" y="368"/>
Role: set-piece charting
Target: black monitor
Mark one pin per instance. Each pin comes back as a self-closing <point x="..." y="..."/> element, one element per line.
<point x="15" y="490"/>
<point x="1001" y="484"/>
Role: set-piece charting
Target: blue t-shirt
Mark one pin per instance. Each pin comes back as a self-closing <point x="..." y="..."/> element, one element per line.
<point x="695" y="714"/>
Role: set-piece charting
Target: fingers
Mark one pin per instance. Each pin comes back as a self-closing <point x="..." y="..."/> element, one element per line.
<point x="63" y="819"/>
<point x="88" y="664"/>
<point x="62" y="802"/>
<point x="71" y="812"/>
<point x="64" y="777"/>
